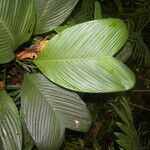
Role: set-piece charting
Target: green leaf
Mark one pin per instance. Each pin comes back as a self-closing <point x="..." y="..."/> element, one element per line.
<point x="51" y="13"/>
<point x="126" y="129"/>
<point x="10" y="124"/>
<point x="48" y="109"/>
<point x="16" y="25"/>
<point x="80" y="57"/>
<point x="28" y="142"/>
<point x="125" y="52"/>
<point x="97" y="13"/>
<point x="124" y="141"/>
<point x="128" y="138"/>
<point x="83" y="12"/>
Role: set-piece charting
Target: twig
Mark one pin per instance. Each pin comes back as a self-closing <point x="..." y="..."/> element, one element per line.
<point x="138" y="106"/>
<point x="142" y="91"/>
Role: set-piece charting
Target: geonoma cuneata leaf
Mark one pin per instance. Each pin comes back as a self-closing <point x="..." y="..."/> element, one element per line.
<point x="17" y="20"/>
<point x="10" y="123"/>
<point x="48" y="109"/>
<point x="81" y="57"/>
<point x="51" y="13"/>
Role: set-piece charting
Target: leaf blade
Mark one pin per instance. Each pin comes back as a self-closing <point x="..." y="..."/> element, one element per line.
<point x="51" y="13"/>
<point x="16" y="26"/>
<point x="97" y="13"/>
<point x="101" y="75"/>
<point x="10" y="124"/>
<point x="72" y="58"/>
<point x="51" y="110"/>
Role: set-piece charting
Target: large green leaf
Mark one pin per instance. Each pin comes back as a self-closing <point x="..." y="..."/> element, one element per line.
<point x="48" y="109"/>
<point x="16" y="26"/>
<point x="10" y="124"/>
<point x="81" y="57"/>
<point x="51" y="13"/>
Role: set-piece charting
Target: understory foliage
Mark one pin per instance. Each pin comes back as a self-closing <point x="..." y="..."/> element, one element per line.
<point x="128" y="138"/>
<point x="62" y="69"/>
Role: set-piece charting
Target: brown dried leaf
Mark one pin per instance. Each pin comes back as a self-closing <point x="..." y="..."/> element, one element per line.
<point x="41" y="45"/>
<point x="26" y="54"/>
<point x="32" y="52"/>
<point x="2" y="84"/>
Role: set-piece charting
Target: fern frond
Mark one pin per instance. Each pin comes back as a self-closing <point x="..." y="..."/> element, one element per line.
<point x="144" y="134"/>
<point x="141" y="52"/>
<point x="127" y="138"/>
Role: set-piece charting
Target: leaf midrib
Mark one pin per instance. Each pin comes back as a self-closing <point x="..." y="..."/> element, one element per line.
<point x="73" y="59"/>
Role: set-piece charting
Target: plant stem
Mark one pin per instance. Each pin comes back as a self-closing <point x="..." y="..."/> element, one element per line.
<point x="138" y="106"/>
<point x="142" y="91"/>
